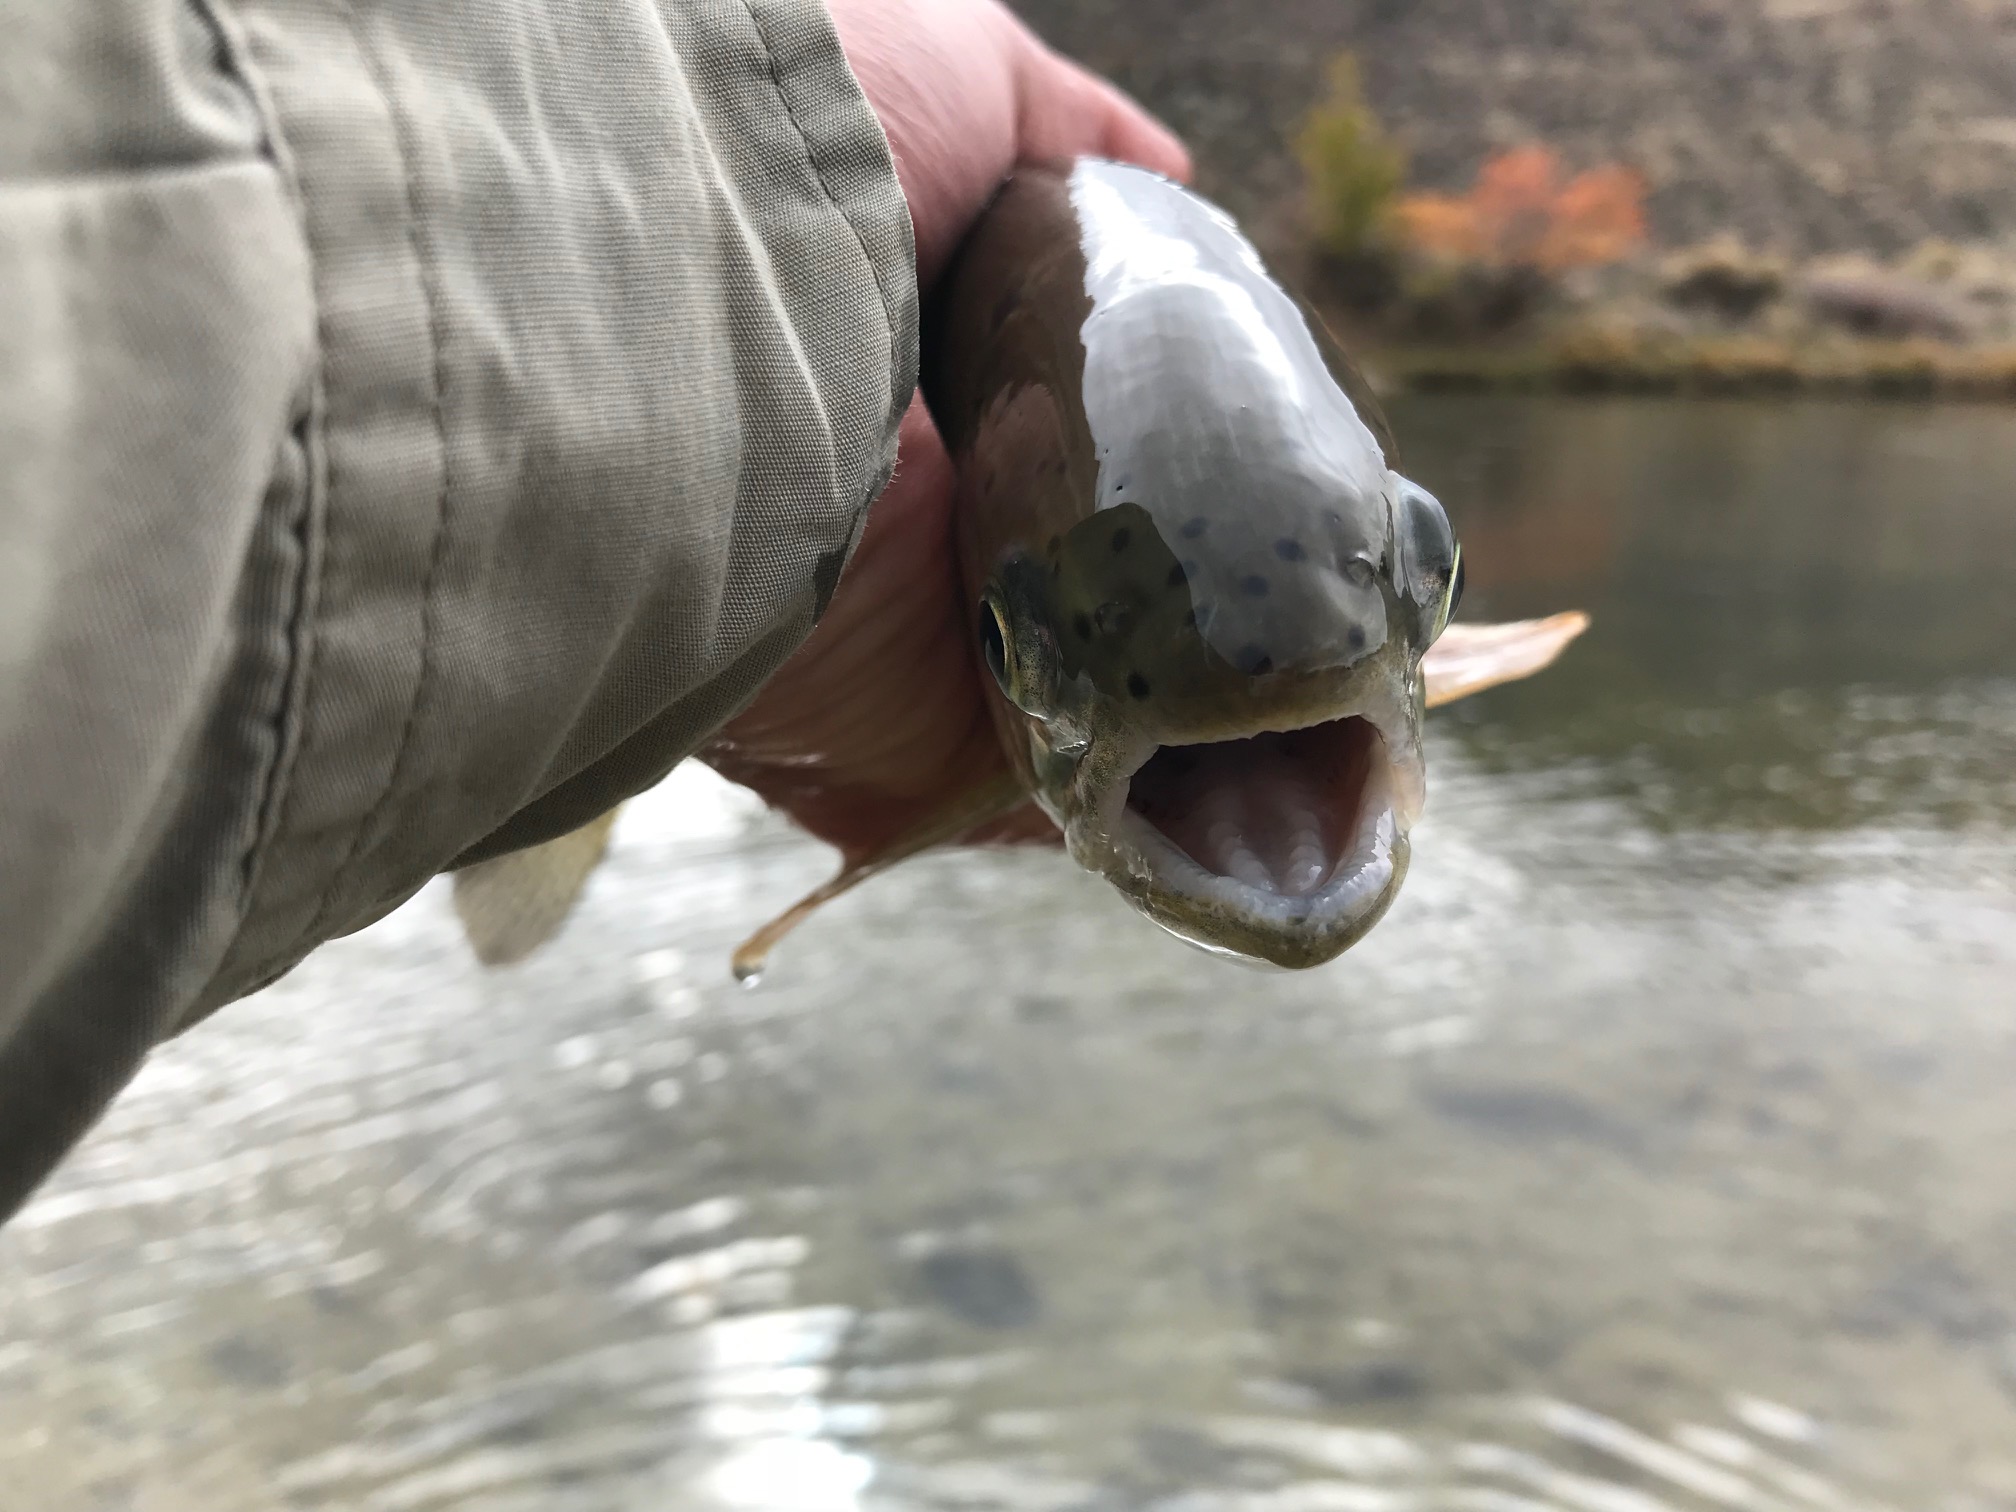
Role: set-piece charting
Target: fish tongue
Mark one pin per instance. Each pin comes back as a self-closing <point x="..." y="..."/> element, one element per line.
<point x="1272" y="811"/>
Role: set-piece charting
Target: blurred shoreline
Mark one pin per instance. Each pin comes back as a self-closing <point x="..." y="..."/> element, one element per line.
<point x="1708" y="196"/>
<point x="1721" y="319"/>
<point x="1595" y="364"/>
<point x="1810" y="127"/>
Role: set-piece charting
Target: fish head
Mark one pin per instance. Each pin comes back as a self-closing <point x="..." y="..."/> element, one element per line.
<point x="1216" y="692"/>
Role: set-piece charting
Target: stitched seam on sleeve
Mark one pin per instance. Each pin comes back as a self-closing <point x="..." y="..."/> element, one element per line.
<point x="285" y="724"/>
<point x="429" y="610"/>
<point x="819" y="176"/>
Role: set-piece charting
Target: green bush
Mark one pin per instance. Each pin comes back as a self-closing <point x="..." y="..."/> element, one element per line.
<point x="1352" y="172"/>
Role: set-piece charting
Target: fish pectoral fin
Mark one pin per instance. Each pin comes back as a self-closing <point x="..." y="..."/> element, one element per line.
<point x="1470" y="658"/>
<point x="511" y="905"/>
<point x="964" y="814"/>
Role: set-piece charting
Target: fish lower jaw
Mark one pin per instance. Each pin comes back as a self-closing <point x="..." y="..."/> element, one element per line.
<point x="1296" y="916"/>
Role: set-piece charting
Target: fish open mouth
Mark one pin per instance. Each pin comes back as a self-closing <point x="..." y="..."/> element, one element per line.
<point x="1293" y="832"/>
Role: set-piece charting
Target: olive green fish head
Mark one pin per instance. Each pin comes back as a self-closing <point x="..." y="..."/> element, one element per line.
<point x="1216" y="691"/>
<point x="1202" y="588"/>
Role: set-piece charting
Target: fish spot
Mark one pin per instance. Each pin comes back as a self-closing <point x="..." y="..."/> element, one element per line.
<point x="1194" y="527"/>
<point x="1253" y="585"/>
<point x="1083" y="625"/>
<point x="1137" y="685"/>
<point x="1290" y="550"/>
<point x="1356" y="636"/>
<point x="1121" y="537"/>
<point x="1253" y="660"/>
<point x="1178" y="576"/>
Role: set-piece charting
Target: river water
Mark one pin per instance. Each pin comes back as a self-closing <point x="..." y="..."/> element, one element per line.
<point x="1658" y="1152"/>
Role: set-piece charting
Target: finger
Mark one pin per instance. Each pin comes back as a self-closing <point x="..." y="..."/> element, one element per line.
<point x="907" y="540"/>
<point x="900" y="585"/>
<point x="1063" y="112"/>
<point x="921" y="484"/>
<point x="1135" y="136"/>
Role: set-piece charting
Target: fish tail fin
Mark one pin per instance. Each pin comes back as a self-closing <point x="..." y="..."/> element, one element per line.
<point x="961" y="816"/>
<point x="511" y="905"/>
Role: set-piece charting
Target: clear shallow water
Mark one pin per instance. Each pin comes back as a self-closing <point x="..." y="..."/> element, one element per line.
<point x="1658" y="1152"/>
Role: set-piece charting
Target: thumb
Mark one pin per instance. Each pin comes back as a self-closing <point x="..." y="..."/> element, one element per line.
<point x="1062" y="112"/>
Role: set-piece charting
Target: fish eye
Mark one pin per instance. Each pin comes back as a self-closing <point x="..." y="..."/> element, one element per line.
<point x="994" y="645"/>
<point x="1431" y="563"/>
<point x="1015" y="637"/>
<point x="1453" y="599"/>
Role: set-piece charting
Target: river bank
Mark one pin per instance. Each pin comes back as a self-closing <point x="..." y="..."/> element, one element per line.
<point x="1593" y="363"/>
<point x="1937" y="323"/>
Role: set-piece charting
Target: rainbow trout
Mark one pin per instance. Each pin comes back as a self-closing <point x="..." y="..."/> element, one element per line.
<point x="1210" y="610"/>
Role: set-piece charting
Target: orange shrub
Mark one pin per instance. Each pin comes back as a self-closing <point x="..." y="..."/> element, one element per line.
<point x="1599" y="218"/>
<point x="1441" y="225"/>
<point x="1520" y="213"/>
<point x="1514" y="203"/>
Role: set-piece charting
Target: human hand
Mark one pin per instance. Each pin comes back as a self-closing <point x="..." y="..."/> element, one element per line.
<point x="965" y="92"/>
<point x="880" y="719"/>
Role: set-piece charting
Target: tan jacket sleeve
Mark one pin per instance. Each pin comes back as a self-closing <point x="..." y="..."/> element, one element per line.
<point x="420" y="425"/>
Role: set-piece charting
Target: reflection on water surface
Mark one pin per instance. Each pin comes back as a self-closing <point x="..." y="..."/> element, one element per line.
<point x="1655" y="1154"/>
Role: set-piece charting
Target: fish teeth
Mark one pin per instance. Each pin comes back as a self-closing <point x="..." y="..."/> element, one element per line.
<point x="1302" y="876"/>
<point x="1308" y="860"/>
<point x="1241" y="862"/>
<point x="1364" y="872"/>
